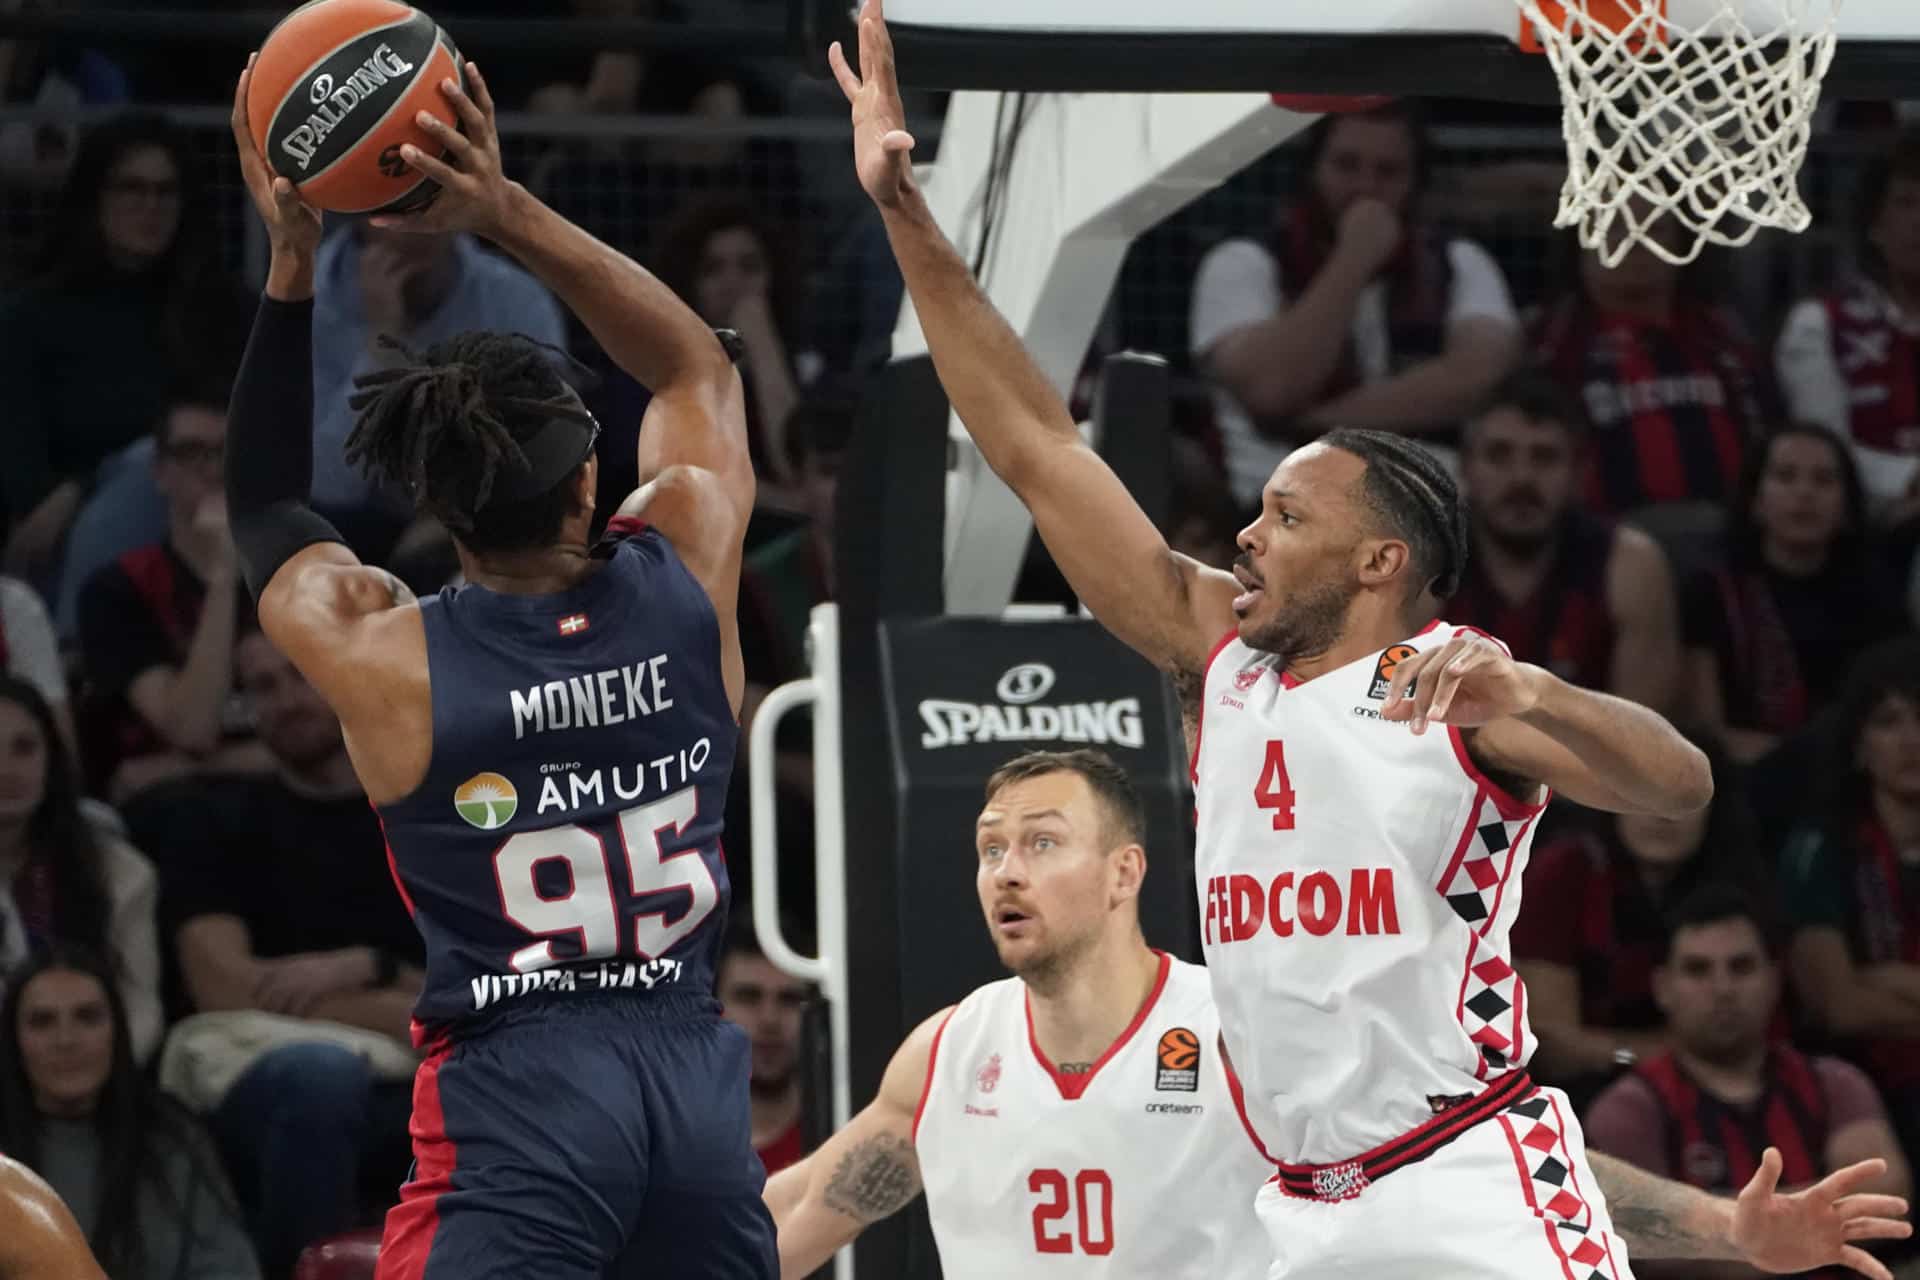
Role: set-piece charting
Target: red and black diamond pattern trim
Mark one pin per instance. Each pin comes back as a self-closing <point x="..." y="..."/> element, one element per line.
<point x="1552" y="1186"/>
<point x="1490" y="999"/>
<point x="1477" y="875"/>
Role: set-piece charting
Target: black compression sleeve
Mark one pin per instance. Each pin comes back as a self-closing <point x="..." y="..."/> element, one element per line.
<point x="270" y="443"/>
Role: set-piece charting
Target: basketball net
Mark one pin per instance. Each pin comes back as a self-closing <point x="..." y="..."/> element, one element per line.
<point x="1681" y="135"/>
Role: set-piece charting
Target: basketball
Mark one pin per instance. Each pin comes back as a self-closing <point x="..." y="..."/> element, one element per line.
<point x="335" y="92"/>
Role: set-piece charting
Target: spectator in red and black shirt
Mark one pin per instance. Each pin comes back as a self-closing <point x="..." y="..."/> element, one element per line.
<point x="1589" y="599"/>
<point x="157" y="628"/>
<point x="1850" y="881"/>
<point x="1592" y="927"/>
<point x="1768" y="631"/>
<point x="1707" y="1109"/>
<point x="1849" y="358"/>
<point x="770" y="1007"/>
<point x="1672" y="384"/>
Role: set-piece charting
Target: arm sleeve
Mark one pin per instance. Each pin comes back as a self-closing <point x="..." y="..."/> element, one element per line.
<point x="33" y="654"/>
<point x="1626" y="1123"/>
<point x="270" y="443"/>
<point x="1548" y="925"/>
<point x="119" y="637"/>
<point x="1479" y="289"/>
<point x="1238" y="284"/>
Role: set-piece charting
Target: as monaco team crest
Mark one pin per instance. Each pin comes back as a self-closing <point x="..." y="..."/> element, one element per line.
<point x="1247" y="677"/>
<point x="987" y="1079"/>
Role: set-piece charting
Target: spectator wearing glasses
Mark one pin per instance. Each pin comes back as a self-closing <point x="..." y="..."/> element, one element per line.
<point x="125" y="299"/>
<point x="157" y="628"/>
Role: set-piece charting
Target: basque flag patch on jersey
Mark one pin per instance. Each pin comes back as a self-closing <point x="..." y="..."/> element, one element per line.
<point x="573" y="624"/>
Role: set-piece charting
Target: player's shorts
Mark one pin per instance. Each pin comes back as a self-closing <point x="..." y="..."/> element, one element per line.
<point x="1511" y="1198"/>
<point x="595" y="1139"/>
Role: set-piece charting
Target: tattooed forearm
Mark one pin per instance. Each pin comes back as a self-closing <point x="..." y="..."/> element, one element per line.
<point x="1661" y="1219"/>
<point x="1188" y="687"/>
<point x="877" y="1178"/>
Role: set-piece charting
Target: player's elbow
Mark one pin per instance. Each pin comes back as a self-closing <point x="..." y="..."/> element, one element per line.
<point x="1690" y="788"/>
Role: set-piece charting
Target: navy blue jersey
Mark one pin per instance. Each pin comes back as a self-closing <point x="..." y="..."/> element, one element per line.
<point x="566" y="840"/>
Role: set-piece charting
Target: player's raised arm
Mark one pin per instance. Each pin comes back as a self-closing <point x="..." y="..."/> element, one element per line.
<point x="696" y="471"/>
<point x="867" y="1171"/>
<point x="697" y="484"/>
<point x="1167" y="607"/>
<point x="311" y="588"/>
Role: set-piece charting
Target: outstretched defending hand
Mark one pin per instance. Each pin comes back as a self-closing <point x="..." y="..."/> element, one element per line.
<point x="1818" y="1226"/>
<point x="293" y="225"/>
<point x="1470" y="680"/>
<point x="475" y="194"/>
<point x="882" y="147"/>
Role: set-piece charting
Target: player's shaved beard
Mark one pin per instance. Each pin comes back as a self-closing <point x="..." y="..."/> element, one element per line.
<point x="1046" y="971"/>
<point x="1311" y="622"/>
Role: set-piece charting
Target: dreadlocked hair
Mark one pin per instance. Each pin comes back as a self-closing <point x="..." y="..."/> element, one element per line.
<point x="442" y="423"/>
<point x="1414" y="497"/>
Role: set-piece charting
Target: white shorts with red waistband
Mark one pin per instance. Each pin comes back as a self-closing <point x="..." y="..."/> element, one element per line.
<point x="1511" y="1198"/>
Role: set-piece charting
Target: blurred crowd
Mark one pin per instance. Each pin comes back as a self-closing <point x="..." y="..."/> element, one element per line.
<point x="1699" y="503"/>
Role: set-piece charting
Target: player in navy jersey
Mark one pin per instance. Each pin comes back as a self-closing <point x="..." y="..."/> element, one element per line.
<point x="548" y="746"/>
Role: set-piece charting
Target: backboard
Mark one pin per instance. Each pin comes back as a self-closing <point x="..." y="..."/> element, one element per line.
<point x="1435" y="48"/>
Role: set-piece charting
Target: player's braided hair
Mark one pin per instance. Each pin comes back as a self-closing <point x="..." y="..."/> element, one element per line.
<point x="1412" y="494"/>
<point x="442" y="423"/>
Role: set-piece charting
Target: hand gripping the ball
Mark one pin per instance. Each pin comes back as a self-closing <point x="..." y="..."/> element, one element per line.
<point x="475" y="194"/>
<point x="293" y="225"/>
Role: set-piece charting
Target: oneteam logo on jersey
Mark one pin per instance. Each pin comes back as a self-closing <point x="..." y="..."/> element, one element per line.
<point x="1383" y="670"/>
<point x="1177" y="1062"/>
<point x="486" y="800"/>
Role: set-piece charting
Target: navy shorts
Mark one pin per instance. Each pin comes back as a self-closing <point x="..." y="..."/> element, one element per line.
<point x="595" y="1140"/>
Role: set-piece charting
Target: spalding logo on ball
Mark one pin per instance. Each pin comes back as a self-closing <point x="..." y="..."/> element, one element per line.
<point x="335" y="93"/>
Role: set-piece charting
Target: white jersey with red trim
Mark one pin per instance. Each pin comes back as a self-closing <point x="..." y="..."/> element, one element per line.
<point x="1357" y="885"/>
<point x="1138" y="1167"/>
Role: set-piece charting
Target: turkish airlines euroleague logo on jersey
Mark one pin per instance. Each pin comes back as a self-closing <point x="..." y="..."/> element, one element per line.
<point x="1383" y="670"/>
<point x="1177" y="1062"/>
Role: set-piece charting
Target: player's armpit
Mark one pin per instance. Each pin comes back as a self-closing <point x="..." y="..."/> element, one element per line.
<point x="867" y="1171"/>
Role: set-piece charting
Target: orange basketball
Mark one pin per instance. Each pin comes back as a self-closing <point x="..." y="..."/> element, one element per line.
<point x="335" y="93"/>
<point x="1179" y="1049"/>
